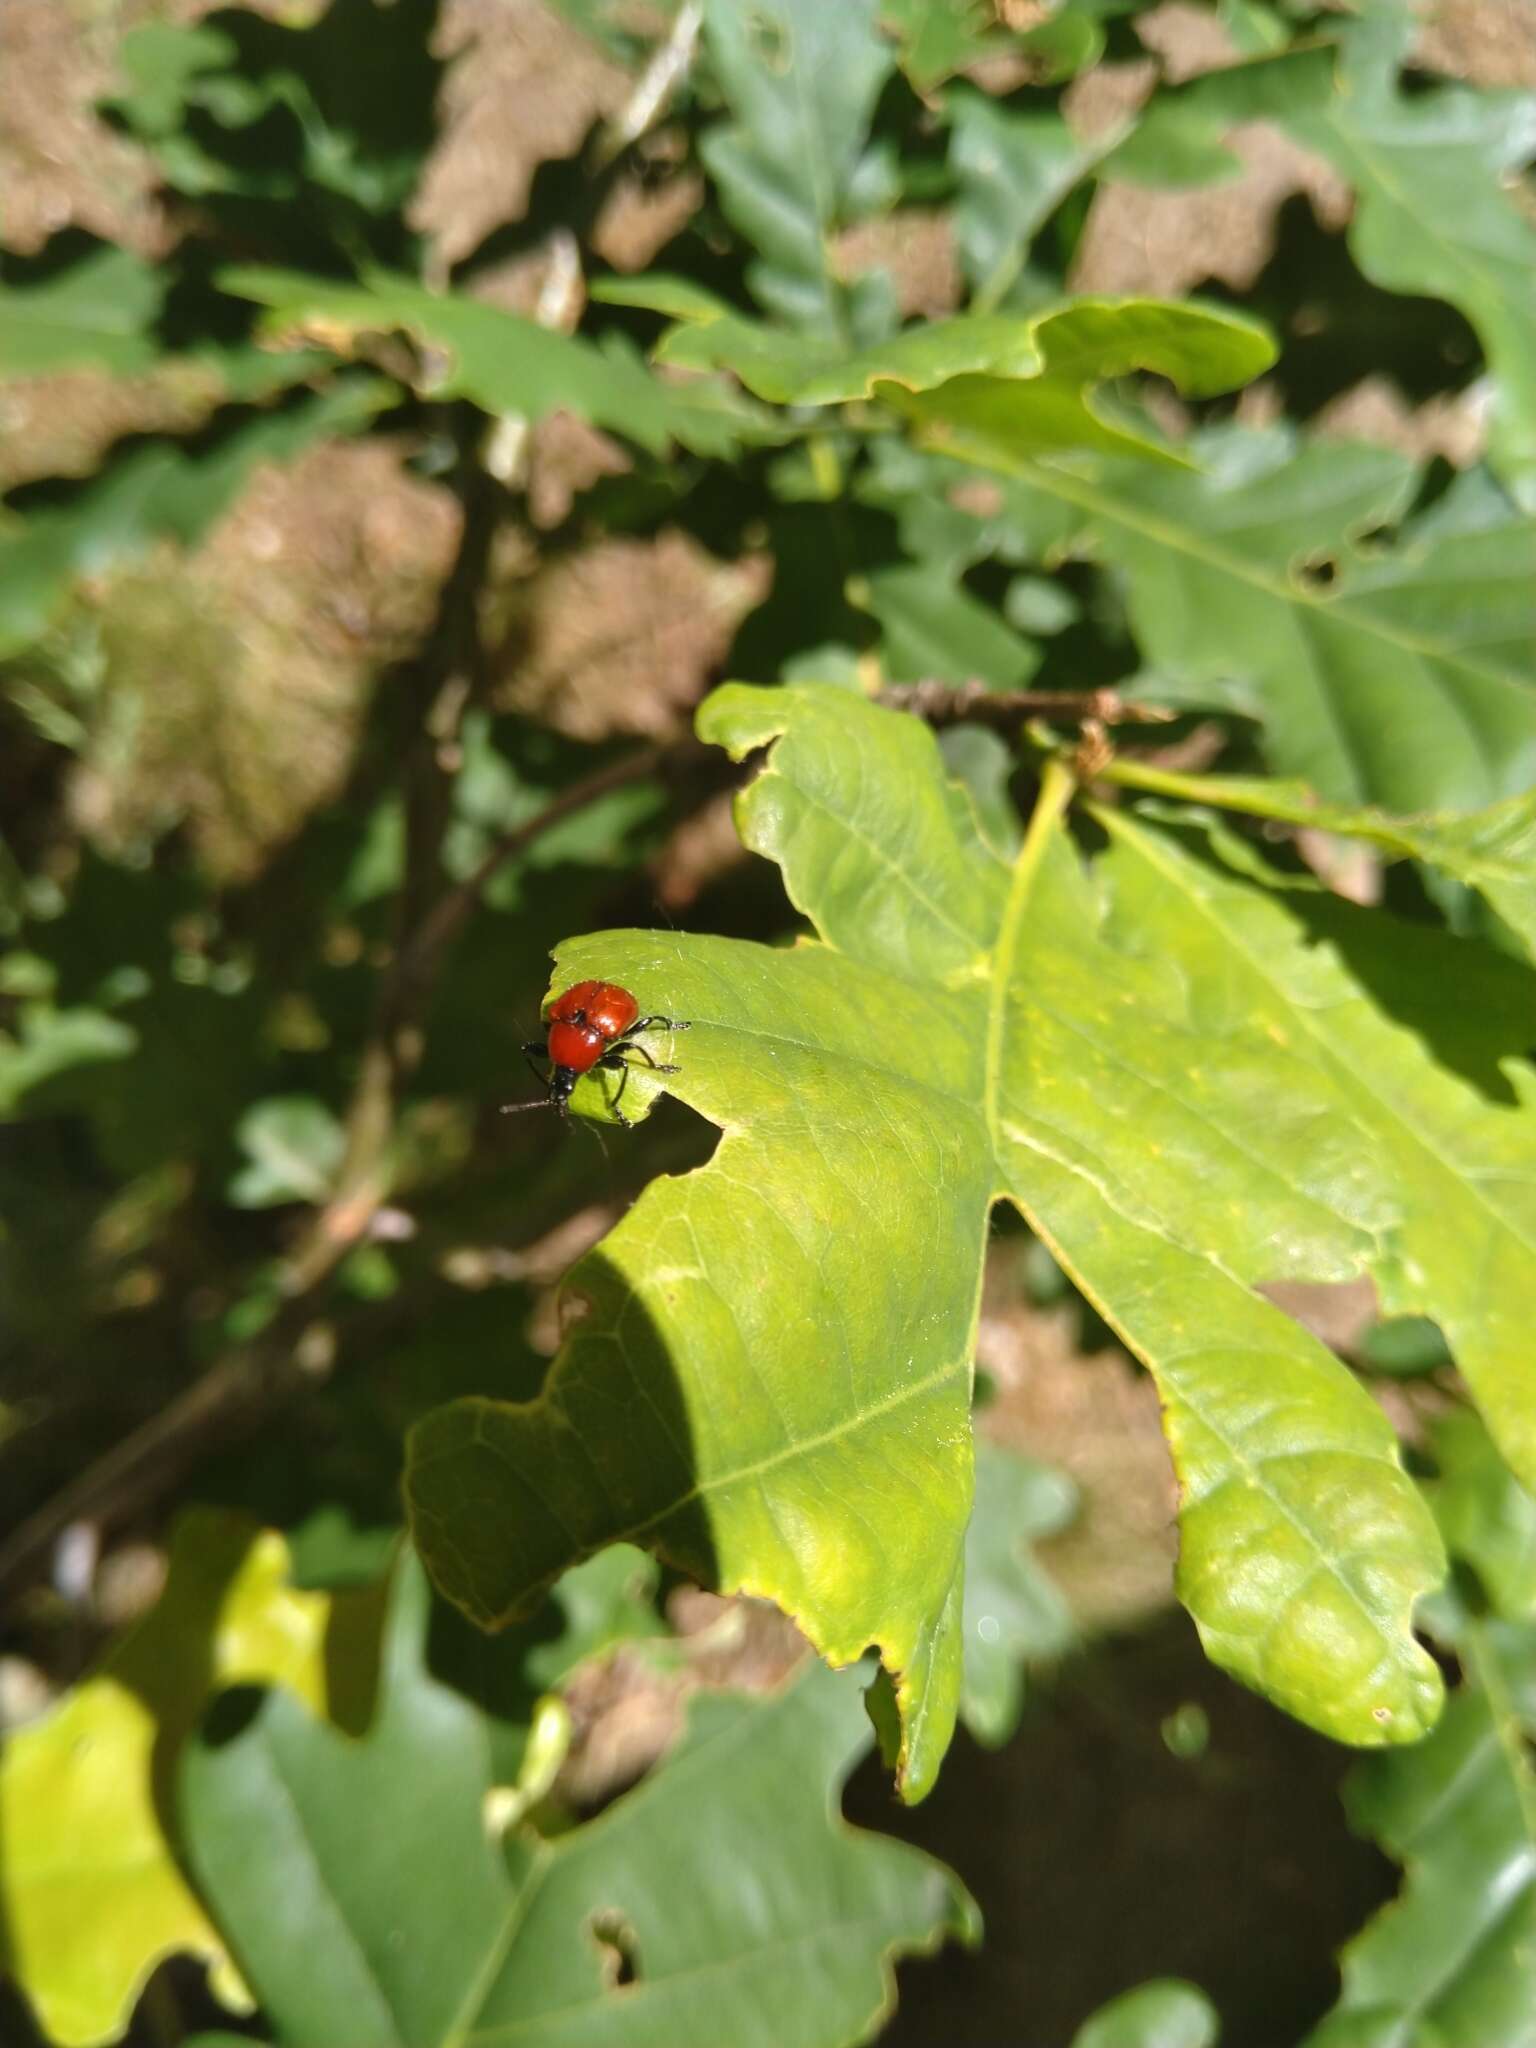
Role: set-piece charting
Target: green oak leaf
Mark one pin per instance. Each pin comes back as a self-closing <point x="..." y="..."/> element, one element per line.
<point x="1407" y="678"/>
<point x="767" y="1374"/>
<point x="101" y="311"/>
<point x="1036" y="396"/>
<point x="505" y="364"/>
<point x="92" y="1895"/>
<point x="1013" y="1613"/>
<point x="162" y="491"/>
<point x="369" y="1903"/>
<point x="986" y="385"/>
<point x="800" y="80"/>
<point x="937" y="38"/>
<point x="1012" y="170"/>
<point x="1486" y="1516"/>
<point x="1421" y="1040"/>
<point x="1460" y="235"/>
<point x="931" y="625"/>
<point x="1492" y="850"/>
<point x="46" y="1041"/>
<point x="293" y="1146"/>
<point x="1167" y="2013"/>
<point x="1173" y="143"/>
<point x="277" y="131"/>
<point x="1453" y="1958"/>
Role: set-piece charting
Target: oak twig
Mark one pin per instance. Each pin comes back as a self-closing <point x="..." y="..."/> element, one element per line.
<point x="974" y="703"/>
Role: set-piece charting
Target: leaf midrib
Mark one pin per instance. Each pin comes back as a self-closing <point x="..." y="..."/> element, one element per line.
<point x="362" y="1953"/>
<point x="1056" y="789"/>
<point x="483" y="1405"/>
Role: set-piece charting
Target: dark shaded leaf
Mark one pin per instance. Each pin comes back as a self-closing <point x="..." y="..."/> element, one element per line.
<point x="280" y="134"/>
<point x="1014" y="1616"/>
<point x="368" y="1903"/>
<point x="1453" y="1958"/>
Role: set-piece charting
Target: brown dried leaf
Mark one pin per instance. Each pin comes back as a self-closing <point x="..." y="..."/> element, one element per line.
<point x="623" y="636"/>
<point x="1138" y="240"/>
<point x="1095" y="1416"/>
<point x="250" y="660"/>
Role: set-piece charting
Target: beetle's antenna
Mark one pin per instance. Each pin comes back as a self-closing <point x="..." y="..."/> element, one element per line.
<point x="543" y="1102"/>
<point x="587" y="1124"/>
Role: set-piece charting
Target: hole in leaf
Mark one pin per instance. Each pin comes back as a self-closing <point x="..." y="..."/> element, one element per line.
<point x="618" y="1947"/>
<point x="1317" y="572"/>
<point x="770" y="42"/>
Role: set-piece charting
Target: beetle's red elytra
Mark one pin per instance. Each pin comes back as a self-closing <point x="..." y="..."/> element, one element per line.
<point x="591" y="1024"/>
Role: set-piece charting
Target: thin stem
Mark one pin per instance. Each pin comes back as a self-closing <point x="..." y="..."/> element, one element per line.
<point x="1228" y="793"/>
<point x="450" y="913"/>
<point x="1058" y="785"/>
<point x="972" y="702"/>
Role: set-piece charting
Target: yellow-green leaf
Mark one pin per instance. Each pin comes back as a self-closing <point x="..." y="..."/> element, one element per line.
<point x="985" y="386"/>
<point x="767" y="1372"/>
<point x="91" y="1892"/>
<point x="1416" y="1037"/>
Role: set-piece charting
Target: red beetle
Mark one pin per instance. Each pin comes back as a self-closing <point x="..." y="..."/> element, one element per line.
<point x="593" y="1024"/>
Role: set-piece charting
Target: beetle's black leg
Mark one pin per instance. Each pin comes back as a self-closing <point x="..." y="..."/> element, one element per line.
<point x="656" y="1065"/>
<point x="612" y="1061"/>
<point x="655" y="1024"/>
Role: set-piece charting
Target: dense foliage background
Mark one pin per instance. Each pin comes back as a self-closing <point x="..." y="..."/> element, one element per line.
<point x="1102" y="442"/>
